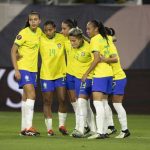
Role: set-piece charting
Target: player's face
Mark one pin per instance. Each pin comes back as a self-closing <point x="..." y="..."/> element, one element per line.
<point x="90" y="30"/>
<point x="75" y="42"/>
<point x="64" y="29"/>
<point x="34" y="21"/>
<point x="49" y="30"/>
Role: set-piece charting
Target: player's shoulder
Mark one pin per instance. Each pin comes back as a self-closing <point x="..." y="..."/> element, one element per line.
<point x="39" y="30"/>
<point x="60" y="36"/>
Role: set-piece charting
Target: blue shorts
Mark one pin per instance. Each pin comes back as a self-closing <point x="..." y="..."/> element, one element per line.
<point x="103" y="85"/>
<point x="27" y="78"/>
<point x="51" y="85"/>
<point x="119" y="87"/>
<point x="84" y="88"/>
<point x="70" y="82"/>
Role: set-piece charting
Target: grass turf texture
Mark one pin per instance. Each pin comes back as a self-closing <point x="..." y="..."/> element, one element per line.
<point x="10" y="140"/>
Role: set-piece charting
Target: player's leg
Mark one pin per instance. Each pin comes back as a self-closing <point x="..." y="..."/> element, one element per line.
<point x="109" y="123"/>
<point x="23" y="117"/>
<point x="117" y="99"/>
<point x="28" y="82"/>
<point x="29" y="109"/>
<point x="47" y="103"/>
<point x="60" y="85"/>
<point x="100" y="115"/>
<point x="47" y="88"/>
<point x="100" y="86"/>
<point x="70" y="85"/>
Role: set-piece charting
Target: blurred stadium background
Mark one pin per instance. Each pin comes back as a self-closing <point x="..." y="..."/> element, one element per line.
<point x="130" y="19"/>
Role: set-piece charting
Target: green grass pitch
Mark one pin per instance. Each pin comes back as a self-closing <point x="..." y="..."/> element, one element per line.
<point x="139" y="126"/>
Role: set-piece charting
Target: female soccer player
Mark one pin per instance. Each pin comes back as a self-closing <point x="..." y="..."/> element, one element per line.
<point x="70" y="77"/>
<point x="119" y="84"/>
<point x="27" y="46"/>
<point x="82" y="60"/>
<point x="102" y="78"/>
<point x="53" y="75"/>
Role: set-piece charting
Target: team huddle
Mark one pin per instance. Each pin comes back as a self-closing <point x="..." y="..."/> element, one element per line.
<point x="82" y="68"/>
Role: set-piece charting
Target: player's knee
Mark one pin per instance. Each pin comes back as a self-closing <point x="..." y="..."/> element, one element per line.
<point x="46" y="101"/>
<point x="31" y="95"/>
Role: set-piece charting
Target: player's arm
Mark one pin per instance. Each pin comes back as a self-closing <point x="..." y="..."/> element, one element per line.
<point x="112" y="59"/>
<point x="14" y="55"/>
<point x="92" y="66"/>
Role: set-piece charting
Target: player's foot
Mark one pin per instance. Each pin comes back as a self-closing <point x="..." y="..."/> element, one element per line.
<point x="22" y="133"/>
<point x="97" y="136"/>
<point x="86" y="130"/>
<point x="106" y="135"/>
<point x="63" y="130"/>
<point x="89" y="134"/>
<point x="111" y="130"/>
<point x="123" y="134"/>
<point x="50" y="133"/>
<point x="78" y="134"/>
<point x="73" y="132"/>
<point x="31" y="132"/>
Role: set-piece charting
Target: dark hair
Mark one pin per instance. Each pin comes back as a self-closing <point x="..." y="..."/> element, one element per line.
<point x="50" y="22"/>
<point x="71" y="23"/>
<point x="101" y="28"/>
<point x="31" y="13"/>
<point x="110" y="31"/>
<point x="77" y="32"/>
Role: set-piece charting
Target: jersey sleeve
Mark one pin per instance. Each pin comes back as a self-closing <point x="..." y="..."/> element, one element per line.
<point x="20" y="39"/>
<point x="94" y="45"/>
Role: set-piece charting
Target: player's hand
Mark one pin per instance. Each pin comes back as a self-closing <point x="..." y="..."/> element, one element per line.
<point x="102" y="58"/>
<point x="84" y="77"/>
<point x="17" y="75"/>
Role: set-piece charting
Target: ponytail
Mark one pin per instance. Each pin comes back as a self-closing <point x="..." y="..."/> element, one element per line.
<point x="110" y="31"/>
<point x="101" y="29"/>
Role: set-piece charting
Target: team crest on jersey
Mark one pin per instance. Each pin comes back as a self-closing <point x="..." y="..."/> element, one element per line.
<point x="19" y="37"/>
<point x="83" y="54"/>
<point x="27" y="78"/>
<point x="59" y="45"/>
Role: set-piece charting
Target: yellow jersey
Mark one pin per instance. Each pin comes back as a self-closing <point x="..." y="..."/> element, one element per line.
<point x="28" y="42"/>
<point x="118" y="72"/>
<point x="70" y="57"/>
<point x="82" y="60"/>
<point x="99" y="44"/>
<point x="53" y="57"/>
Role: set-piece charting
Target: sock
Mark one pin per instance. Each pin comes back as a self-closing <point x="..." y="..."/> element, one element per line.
<point x="62" y="118"/>
<point x="23" y="116"/>
<point x="90" y="118"/>
<point x="74" y="105"/>
<point x="29" y="112"/>
<point x="108" y="115"/>
<point x="48" y="123"/>
<point x="82" y="106"/>
<point x="99" y="116"/>
<point x="121" y="115"/>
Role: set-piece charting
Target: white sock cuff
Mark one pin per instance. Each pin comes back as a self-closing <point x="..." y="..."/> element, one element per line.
<point x="30" y="102"/>
<point x="62" y="114"/>
<point x="116" y="105"/>
<point x="95" y="102"/>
